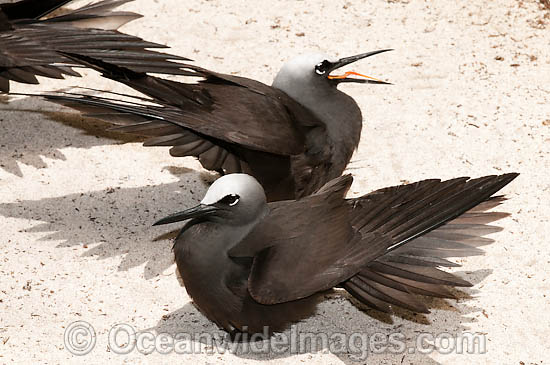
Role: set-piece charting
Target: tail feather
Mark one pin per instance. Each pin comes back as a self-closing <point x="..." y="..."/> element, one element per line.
<point x="421" y="288"/>
<point x="364" y="297"/>
<point x="386" y="292"/>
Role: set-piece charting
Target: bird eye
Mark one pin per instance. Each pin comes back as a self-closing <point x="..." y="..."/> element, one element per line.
<point x="321" y="68"/>
<point x="230" y="200"/>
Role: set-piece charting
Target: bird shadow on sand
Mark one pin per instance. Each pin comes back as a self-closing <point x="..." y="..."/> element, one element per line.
<point x="34" y="129"/>
<point x="115" y="221"/>
<point x="341" y="326"/>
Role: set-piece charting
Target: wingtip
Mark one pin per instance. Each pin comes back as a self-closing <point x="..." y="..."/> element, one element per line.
<point x="461" y="283"/>
<point x="511" y="175"/>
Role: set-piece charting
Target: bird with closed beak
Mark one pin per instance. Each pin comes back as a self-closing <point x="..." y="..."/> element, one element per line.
<point x="255" y="267"/>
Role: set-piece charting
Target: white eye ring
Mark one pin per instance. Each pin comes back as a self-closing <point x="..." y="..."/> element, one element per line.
<point x="318" y="69"/>
<point x="229" y="200"/>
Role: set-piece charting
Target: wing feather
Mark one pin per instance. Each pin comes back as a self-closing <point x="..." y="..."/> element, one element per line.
<point x="30" y="46"/>
<point x="386" y="256"/>
<point x="417" y="263"/>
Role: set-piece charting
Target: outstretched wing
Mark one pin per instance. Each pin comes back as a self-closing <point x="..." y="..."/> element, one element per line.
<point x="230" y="123"/>
<point x="227" y="108"/>
<point x="429" y="221"/>
<point x="305" y="246"/>
<point x="316" y="243"/>
<point x="30" y="47"/>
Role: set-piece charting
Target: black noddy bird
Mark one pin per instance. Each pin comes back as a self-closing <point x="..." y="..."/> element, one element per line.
<point x="255" y="267"/>
<point x="292" y="136"/>
<point x="30" y="44"/>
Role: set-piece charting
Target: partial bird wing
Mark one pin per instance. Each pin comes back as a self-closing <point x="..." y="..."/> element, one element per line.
<point x="305" y="246"/>
<point x="303" y="249"/>
<point x="30" y="47"/>
<point x="221" y="111"/>
<point x="428" y="221"/>
<point x="30" y="9"/>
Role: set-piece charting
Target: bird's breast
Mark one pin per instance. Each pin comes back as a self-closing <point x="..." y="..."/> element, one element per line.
<point x="343" y="119"/>
<point x="212" y="279"/>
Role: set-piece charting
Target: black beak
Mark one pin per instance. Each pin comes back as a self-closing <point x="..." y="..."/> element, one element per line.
<point x="198" y="211"/>
<point x="346" y="61"/>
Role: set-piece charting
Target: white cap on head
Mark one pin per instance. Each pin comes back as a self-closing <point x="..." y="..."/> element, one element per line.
<point x="298" y="71"/>
<point x="243" y="185"/>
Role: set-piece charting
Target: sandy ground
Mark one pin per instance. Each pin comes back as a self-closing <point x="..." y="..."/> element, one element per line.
<point x="472" y="84"/>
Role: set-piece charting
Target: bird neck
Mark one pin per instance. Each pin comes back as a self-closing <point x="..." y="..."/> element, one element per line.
<point x="212" y="239"/>
<point x="343" y="120"/>
<point x="201" y="255"/>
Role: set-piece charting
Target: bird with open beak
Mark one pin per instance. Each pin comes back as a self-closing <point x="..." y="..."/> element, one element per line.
<point x="255" y="267"/>
<point x="293" y="136"/>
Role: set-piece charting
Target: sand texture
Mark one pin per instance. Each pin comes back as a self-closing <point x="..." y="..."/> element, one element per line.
<point x="470" y="98"/>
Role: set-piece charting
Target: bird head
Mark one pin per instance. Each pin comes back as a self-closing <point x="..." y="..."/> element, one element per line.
<point x="235" y="199"/>
<point x="315" y="70"/>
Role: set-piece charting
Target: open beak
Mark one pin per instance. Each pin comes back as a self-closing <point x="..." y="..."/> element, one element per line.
<point x="198" y="211"/>
<point x="364" y="79"/>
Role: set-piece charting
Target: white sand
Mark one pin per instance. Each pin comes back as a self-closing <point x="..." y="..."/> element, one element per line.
<point x="76" y="209"/>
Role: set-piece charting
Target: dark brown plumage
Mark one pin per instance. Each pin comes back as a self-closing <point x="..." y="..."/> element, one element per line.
<point x="248" y="264"/>
<point x="293" y="136"/>
<point x="30" y="45"/>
